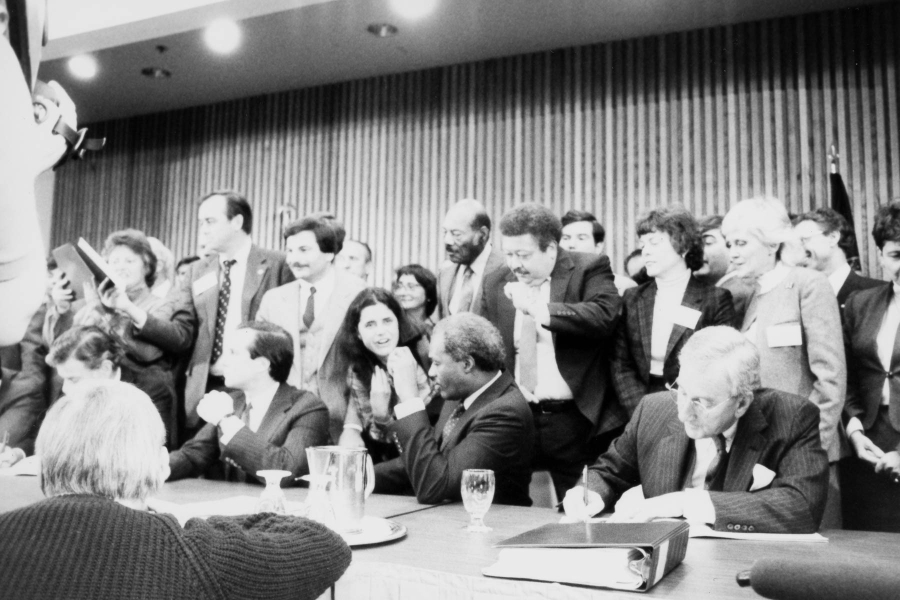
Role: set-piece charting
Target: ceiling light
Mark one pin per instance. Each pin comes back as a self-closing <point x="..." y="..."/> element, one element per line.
<point x="156" y="73"/>
<point x="413" y="9"/>
<point x="83" y="66"/>
<point x="382" y="30"/>
<point x="223" y="36"/>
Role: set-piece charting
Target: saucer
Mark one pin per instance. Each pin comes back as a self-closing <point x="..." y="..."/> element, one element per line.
<point x="375" y="530"/>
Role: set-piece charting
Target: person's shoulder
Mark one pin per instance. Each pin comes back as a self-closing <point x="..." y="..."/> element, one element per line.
<point x="780" y="405"/>
<point x="303" y="401"/>
<point x="633" y="293"/>
<point x="806" y="277"/>
<point x="275" y="256"/>
<point x="344" y="280"/>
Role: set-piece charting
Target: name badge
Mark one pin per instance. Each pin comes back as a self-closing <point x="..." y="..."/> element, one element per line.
<point x="686" y="317"/>
<point x="788" y="334"/>
<point x="206" y="282"/>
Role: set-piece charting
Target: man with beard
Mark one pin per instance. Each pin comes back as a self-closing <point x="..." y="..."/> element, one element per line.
<point x="466" y="233"/>
<point x="557" y="311"/>
<point x="827" y="237"/>
<point x="716" y="264"/>
<point x="312" y="309"/>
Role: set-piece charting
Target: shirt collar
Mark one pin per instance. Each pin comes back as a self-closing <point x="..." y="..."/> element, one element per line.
<point x="467" y="403"/>
<point x="729" y="436"/>
<point x="768" y="280"/>
<point x="838" y="278"/>
<point x="241" y="256"/>
<point x="479" y="264"/>
<point x="263" y="400"/>
<point x="326" y="284"/>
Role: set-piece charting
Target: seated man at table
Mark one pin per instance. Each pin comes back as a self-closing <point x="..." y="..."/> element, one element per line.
<point x="485" y="422"/>
<point x="263" y="424"/>
<point x="102" y="457"/>
<point x="718" y="450"/>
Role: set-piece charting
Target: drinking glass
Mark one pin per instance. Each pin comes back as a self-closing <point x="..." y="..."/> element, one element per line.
<point x="477" y="494"/>
<point x="272" y="498"/>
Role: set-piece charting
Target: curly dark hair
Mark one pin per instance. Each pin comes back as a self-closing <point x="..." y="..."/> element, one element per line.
<point x="887" y="224"/>
<point x="830" y="220"/>
<point x="583" y="216"/>
<point x="138" y="243"/>
<point x="273" y="343"/>
<point x="362" y="361"/>
<point x="467" y="334"/>
<point x="329" y="231"/>
<point x="534" y="219"/>
<point x="426" y="279"/>
<point x="681" y="227"/>
<point x="90" y="345"/>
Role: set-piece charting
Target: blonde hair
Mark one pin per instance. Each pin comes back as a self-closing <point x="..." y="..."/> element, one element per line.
<point x="105" y="439"/>
<point x="765" y="218"/>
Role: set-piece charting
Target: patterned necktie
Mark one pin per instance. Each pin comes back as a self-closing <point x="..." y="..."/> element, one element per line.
<point x="222" y="311"/>
<point x="715" y="474"/>
<point x="309" y="314"/>
<point x="466" y="291"/>
<point x="451" y="423"/>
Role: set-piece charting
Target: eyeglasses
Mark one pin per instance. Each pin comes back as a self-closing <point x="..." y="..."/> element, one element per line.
<point x="700" y="405"/>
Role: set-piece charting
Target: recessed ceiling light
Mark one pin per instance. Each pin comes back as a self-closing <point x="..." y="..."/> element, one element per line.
<point x="413" y="9"/>
<point x="223" y="36"/>
<point x="382" y="30"/>
<point x="156" y="73"/>
<point x="83" y="66"/>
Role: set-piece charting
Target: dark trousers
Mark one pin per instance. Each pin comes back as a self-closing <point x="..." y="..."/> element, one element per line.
<point x="561" y="446"/>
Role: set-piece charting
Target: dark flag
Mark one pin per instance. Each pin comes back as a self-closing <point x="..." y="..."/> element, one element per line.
<point x="840" y="202"/>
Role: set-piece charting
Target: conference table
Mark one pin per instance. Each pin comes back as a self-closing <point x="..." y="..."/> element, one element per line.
<point x="439" y="559"/>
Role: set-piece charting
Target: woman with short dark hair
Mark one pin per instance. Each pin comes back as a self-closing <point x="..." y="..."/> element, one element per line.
<point x="374" y="329"/>
<point x="415" y="288"/>
<point x="659" y="316"/>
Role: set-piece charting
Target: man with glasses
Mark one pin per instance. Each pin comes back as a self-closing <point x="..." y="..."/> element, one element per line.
<point x="716" y="449"/>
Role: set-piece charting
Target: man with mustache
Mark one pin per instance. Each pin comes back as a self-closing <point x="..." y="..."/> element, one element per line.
<point x="312" y="309"/>
<point x="827" y="237"/>
<point x="466" y="233"/>
<point x="557" y="311"/>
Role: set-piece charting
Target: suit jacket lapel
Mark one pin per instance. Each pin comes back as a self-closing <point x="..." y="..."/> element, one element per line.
<point x="745" y="450"/>
<point x="256" y="270"/>
<point x="672" y="453"/>
<point x="280" y="404"/>
<point x="507" y="322"/>
<point x="494" y="391"/>
<point x="645" y="320"/>
<point x="210" y="296"/>
<point x="693" y="298"/>
<point x="338" y="302"/>
<point x="447" y="283"/>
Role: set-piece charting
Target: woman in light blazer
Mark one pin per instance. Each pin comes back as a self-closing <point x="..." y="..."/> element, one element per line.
<point x="870" y="479"/>
<point x="659" y="317"/>
<point x="794" y="320"/>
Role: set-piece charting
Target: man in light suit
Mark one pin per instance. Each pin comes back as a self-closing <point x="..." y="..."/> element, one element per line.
<point x="485" y="422"/>
<point x="827" y="238"/>
<point x="467" y="233"/>
<point x="264" y="424"/>
<point x="312" y="309"/>
<point x="557" y="312"/>
<point x="225" y="289"/>
<point x="720" y="450"/>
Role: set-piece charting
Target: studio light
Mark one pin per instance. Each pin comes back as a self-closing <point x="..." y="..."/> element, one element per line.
<point x="223" y="36"/>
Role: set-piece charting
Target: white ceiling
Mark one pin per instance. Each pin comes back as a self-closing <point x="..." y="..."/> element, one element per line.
<point x="290" y="44"/>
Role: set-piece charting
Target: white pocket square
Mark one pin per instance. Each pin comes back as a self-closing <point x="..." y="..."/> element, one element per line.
<point x="762" y="477"/>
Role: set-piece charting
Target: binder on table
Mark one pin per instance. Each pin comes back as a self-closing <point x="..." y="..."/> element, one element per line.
<point x="626" y="556"/>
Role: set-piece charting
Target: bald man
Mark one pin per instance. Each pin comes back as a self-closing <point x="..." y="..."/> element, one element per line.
<point x="466" y="233"/>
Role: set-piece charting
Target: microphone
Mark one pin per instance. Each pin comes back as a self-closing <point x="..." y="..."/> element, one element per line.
<point x="823" y="579"/>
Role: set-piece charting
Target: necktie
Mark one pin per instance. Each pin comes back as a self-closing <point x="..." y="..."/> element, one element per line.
<point x="466" y="291"/>
<point x="451" y="424"/>
<point x="715" y="474"/>
<point x="309" y="315"/>
<point x="527" y="357"/>
<point x="222" y="310"/>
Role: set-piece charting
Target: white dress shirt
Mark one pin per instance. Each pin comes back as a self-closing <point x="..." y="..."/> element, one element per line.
<point x="669" y="296"/>
<point x="838" y="278"/>
<point x="324" y="289"/>
<point x="884" y="342"/>
<point x="698" y="506"/>
<point x="550" y="382"/>
<point x="404" y="409"/>
<point x="259" y="405"/>
<point x="478" y="266"/>
<point x="237" y="275"/>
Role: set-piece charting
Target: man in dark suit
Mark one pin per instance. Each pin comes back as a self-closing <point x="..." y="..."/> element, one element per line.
<point x="466" y="233"/>
<point x="827" y="237"/>
<point x="265" y="424"/>
<point x="485" y="422"/>
<point x="225" y="290"/>
<point x="557" y="311"/>
<point x="716" y="265"/>
<point x="720" y="450"/>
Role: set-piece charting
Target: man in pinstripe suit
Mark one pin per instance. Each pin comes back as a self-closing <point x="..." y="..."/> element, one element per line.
<point x="718" y="450"/>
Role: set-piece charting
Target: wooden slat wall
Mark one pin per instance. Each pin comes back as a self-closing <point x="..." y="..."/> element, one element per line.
<point x="706" y="118"/>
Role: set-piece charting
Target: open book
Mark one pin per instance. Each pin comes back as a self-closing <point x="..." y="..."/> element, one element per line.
<point x="82" y="264"/>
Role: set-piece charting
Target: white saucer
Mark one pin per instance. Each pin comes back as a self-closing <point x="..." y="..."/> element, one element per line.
<point x="375" y="530"/>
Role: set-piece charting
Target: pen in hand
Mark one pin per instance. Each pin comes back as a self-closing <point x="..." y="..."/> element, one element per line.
<point x="584" y="485"/>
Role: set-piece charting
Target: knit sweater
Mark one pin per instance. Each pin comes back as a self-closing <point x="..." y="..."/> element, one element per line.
<point x="91" y="547"/>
